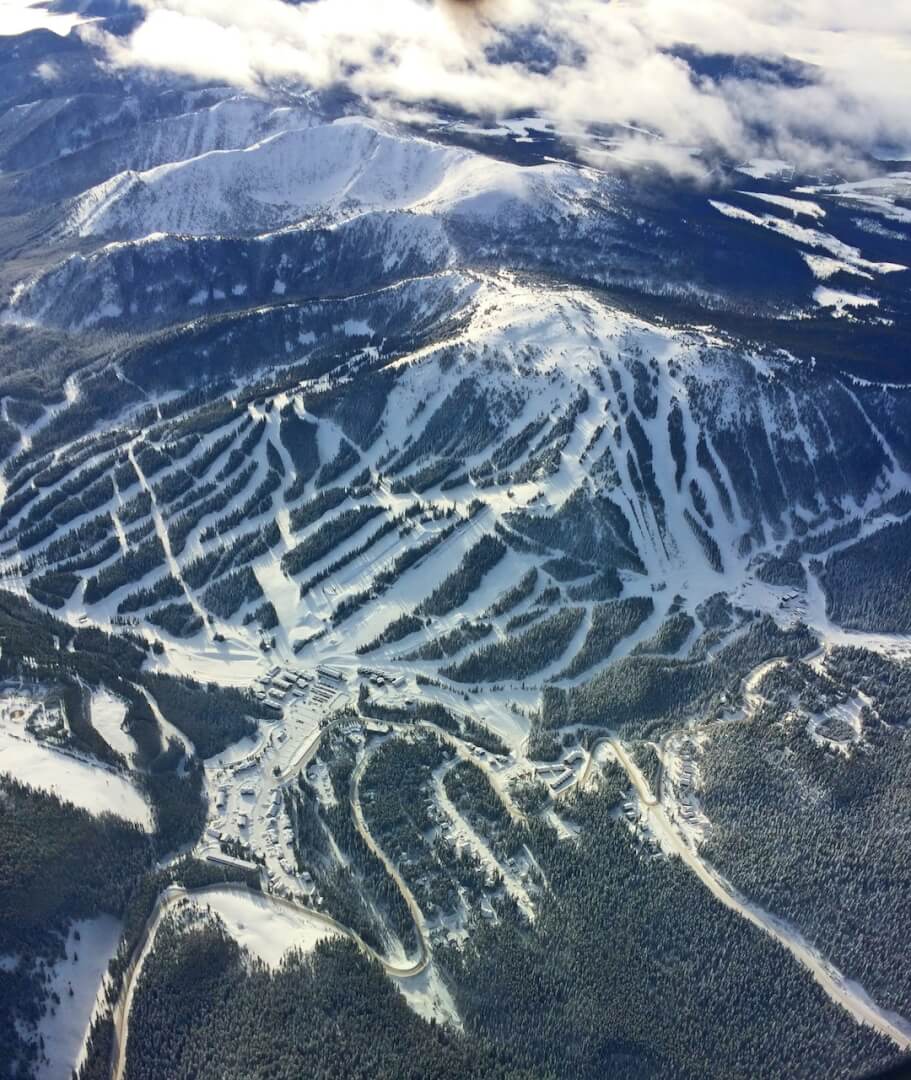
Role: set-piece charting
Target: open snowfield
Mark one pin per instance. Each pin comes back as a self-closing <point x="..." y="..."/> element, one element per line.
<point x="261" y="926"/>
<point x="83" y="972"/>
<point x="108" y="712"/>
<point x="430" y="997"/>
<point x="89" y="786"/>
<point x="71" y="778"/>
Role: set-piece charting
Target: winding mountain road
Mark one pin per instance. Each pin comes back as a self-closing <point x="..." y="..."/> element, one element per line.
<point x="841" y="990"/>
<point x="175" y="894"/>
<point x="844" y="992"/>
<point x="391" y="869"/>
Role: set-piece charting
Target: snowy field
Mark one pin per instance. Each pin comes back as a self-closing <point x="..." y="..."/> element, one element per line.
<point x="258" y="924"/>
<point x="72" y="778"/>
<point x="82" y="971"/>
<point x="428" y="995"/>
<point x="108" y="712"/>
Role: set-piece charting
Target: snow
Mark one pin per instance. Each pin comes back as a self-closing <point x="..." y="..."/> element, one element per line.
<point x="108" y="713"/>
<point x="282" y="171"/>
<point x="839" y="301"/>
<point x="88" y="786"/>
<point x="765" y="168"/>
<point x="850" y="712"/>
<point x="76" y="779"/>
<point x="796" y="206"/>
<point x="802" y="234"/>
<point x="823" y="267"/>
<point x="262" y="926"/>
<point x="356" y="328"/>
<point x="65" y="1032"/>
<point x="343" y="168"/>
<point x="883" y="195"/>
<point x="461" y="833"/>
<point x="429" y="996"/>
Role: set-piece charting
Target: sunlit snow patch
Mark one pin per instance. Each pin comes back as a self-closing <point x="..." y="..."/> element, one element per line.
<point x="840" y="301"/>
<point x="261" y="926"/>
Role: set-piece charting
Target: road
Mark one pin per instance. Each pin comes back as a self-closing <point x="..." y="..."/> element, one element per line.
<point x="632" y="770"/>
<point x="174" y="894"/>
<point x="391" y="869"/>
<point x="848" y="995"/>
<point x="842" y="991"/>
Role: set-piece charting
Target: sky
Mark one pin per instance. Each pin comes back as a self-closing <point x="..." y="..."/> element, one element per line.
<point x="604" y="61"/>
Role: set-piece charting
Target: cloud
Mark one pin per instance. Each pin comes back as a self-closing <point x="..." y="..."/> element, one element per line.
<point x="19" y="16"/>
<point x="576" y="62"/>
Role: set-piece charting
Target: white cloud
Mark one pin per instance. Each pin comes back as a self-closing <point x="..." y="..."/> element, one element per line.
<point x="18" y="16"/>
<point x="420" y="50"/>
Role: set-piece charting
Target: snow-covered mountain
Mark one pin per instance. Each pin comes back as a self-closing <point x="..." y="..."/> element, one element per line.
<point x="474" y="467"/>
<point x="198" y="233"/>
<point x="109" y="179"/>
<point x="325" y="173"/>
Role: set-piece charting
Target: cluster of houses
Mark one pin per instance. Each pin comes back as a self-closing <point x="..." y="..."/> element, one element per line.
<point x="684" y="769"/>
<point x="277" y="684"/>
<point x="380" y="678"/>
<point x="559" y="776"/>
<point x="220" y="858"/>
<point x="283" y="686"/>
<point x="495" y="761"/>
<point x="40" y="712"/>
<point x="357" y="731"/>
<point x="684" y="776"/>
<point x="641" y="831"/>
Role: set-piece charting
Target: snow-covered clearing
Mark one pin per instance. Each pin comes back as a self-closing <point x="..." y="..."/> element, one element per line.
<point x="262" y="926"/>
<point x="839" y="301"/>
<point x="796" y="206"/>
<point x="428" y="995"/>
<point x="108" y="712"/>
<point x="823" y="267"/>
<point x="83" y="971"/>
<point x="884" y="195"/>
<point x="76" y="779"/>
<point x="228" y="663"/>
<point x="766" y="168"/>
<point x="897" y="646"/>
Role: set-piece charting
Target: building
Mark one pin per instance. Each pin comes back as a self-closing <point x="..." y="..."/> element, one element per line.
<point x="221" y="859"/>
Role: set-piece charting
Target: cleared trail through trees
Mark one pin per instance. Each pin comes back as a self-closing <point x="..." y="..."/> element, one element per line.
<point x="480" y="846"/>
<point x="161" y="531"/>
